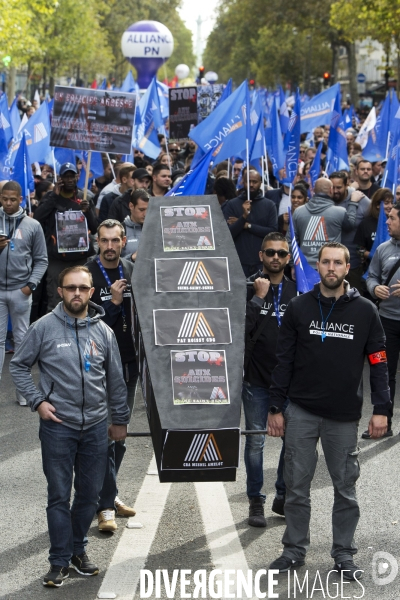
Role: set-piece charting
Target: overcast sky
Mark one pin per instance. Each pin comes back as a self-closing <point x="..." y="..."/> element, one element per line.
<point x="190" y="11"/>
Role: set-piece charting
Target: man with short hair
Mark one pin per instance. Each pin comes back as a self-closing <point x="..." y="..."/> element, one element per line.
<point x="62" y="247"/>
<point x="80" y="376"/>
<point x="323" y="341"/>
<point x="113" y="186"/>
<point x="125" y="175"/>
<point x="384" y="285"/>
<point x="363" y="174"/>
<point x="23" y="262"/>
<point x="342" y="196"/>
<point x="377" y="172"/>
<point x="119" y="209"/>
<point x="112" y="291"/>
<point x="264" y="312"/>
<point x="250" y="220"/>
<point x="321" y="221"/>
<point x="161" y="180"/>
<point x="133" y="224"/>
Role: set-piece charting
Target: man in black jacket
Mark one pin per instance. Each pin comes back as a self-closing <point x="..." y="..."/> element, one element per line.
<point x="323" y="341"/>
<point x="264" y="313"/>
<point x="250" y="220"/>
<point x="63" y="212"/>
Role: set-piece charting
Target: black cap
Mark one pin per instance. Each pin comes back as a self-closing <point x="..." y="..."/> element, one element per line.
<point x="141" y="174"/>
<point x="68" y="167"/>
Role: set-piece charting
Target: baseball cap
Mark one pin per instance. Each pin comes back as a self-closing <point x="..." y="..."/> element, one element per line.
<point x="68" y="167"/>
<point x="141" y="174"/>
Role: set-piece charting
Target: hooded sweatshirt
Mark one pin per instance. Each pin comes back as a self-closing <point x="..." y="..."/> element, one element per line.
<point x="385" y="257"/>
<point x="321" y="221"/>
<point x="324" y="376"/>
<point x="63" y="346"/>
<point x="24" y="259"/>
<point x="133" y="232"/>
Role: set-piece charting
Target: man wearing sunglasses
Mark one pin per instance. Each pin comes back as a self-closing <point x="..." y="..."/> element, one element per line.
<point x="80" y="377"/>
<point x="264" y="312"/>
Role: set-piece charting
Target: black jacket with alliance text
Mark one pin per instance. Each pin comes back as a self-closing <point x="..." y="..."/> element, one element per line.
<point x="324" y="377"/>
<point x="263" y="358"/>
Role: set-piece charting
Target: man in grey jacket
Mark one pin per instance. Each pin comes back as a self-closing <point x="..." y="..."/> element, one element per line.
<point x="133" y="223"/>
<point x="80" y="375"/>
<point x="388" y="292"/>
<point x="23" y="262"/>
<point x="320" y="221"/>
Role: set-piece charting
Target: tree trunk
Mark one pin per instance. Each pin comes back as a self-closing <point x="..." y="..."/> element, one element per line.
<point x="352" y="67"/>
<point x="11" y="85"/>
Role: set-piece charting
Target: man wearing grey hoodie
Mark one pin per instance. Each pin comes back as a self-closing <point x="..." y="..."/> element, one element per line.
<point x="80" y="376"/>
<point x="320" y="221"/>
<point x="23" y="262"/>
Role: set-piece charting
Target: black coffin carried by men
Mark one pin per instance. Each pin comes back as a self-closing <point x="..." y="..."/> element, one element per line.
<point x="188" y="326"/>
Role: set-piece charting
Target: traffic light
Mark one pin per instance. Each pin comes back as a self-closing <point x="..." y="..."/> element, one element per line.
<point x="327" y="78"/>
<point x="201" y="72"/>
<point x="252" y="83"/>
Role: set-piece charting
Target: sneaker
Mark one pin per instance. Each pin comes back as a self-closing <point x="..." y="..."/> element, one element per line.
<point x="123" y="510"/>
<point x="20" y="399"/>
<point x="278" y="506"/>
<point x="284" y="564"/>
<point x="366" y="435"/>
<point x="106" y="520"/>
<point x="82" y="564"/>
<point x="349" y="569"/>
<point x="256" y="512"/>
<point x="55" y="576"/>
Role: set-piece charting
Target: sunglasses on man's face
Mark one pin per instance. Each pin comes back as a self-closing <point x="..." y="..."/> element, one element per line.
<point x="270" y="253"/>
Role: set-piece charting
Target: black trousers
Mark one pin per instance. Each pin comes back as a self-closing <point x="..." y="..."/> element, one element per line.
<point x="392" y="332"/>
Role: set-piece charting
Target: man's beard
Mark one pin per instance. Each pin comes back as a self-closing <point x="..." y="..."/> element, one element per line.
<point x="78" y="308"/>
<point x="332" y="284"/>
<point x="110" y="255"/>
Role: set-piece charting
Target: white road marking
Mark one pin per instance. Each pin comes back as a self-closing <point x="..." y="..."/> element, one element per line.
<point x="219" y="527"/>
<point x="130" y="556"/>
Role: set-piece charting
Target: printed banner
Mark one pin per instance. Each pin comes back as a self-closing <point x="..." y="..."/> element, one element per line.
<point x="208" y="97"/>
<point x="86" y="119"/>
<point x="201" y="449"/>
<point x="182" y="112"/>
<point x="191" y="275"/>
<point x="199" y="377"/>
<point x="192" y="326"/>
<point x="72" y="231"/>
<point x="187" y="228"/>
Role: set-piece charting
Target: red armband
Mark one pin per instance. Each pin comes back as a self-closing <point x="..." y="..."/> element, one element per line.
<point x="377" y="357"/>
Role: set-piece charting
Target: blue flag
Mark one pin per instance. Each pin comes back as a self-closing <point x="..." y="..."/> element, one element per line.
<point x="227" y="91"/>
<point x="306" y="276"/>
<point x="129" y="84"/>
<point x="96" y="167"/>
<point x="292" y="142"/>
<point x="274" y="141"/>
<point x="225" y="128"/>
<point x="391" y="176"/>
<point x="103" y="85"/>
<point x="195" y="181"/>
<point x="5" y="119"/>
<point x="15" y="117"/>
<point x="377" y="144"/>
<point x="22" y="171"/>
<point x="163" y="95"/>
<point x="337" y="158"/>
<point x="381" y="236"/>
<point x="315" y="170"/>
<point x="61" y="156"/>
<point x="150" y="117"/>
<point x="317" y="111"/>
<point x="283" y="111"/>
<point x="37" y="132"/>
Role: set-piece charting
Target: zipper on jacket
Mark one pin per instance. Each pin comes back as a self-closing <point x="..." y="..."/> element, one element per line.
<point x="82" y="378"/>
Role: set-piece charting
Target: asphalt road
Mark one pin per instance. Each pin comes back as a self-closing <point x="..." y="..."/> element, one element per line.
<point x="188" y="526"/>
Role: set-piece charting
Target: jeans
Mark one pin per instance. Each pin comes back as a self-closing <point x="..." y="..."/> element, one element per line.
<point x="256" y="406"/>
<point x="339" y="442"/>
<point x="392" y="332"/>
<point x="65" y="450"/>
<point x="116" y="450"/>
<point x="16" y="304"/>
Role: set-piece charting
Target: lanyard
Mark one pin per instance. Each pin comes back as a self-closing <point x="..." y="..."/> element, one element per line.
<point x="323" y="321"/>
<point x="121" y="276"/>
<point x="86" y="357"/>
<point x="277" y="301"/>
<point x="12" y="232"/>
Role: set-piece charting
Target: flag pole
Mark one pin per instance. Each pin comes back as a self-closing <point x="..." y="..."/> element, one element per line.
<point x="89" y="158"/>
<point x="248" y="169"/>
<point x="229" y="163"/>
<point x="262" y="175"/>
<point x="111" y="165"/>
<point x="266" y="163"/>
<point x="54" y="167"/>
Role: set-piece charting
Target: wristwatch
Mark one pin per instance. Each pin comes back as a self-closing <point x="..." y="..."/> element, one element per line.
<point x="274" y="410"/>
<point x="31" y="286"/>
<point x="248" y="225"/>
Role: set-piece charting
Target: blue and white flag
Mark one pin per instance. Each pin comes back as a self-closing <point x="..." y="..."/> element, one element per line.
<point x="315" y="170"/>
<point x="163" y="95"/>
<point x="274" y="141"/>
<point x="22" y="171"/>
<point x="150" y="120"/>
<point x="377" y="144"/>
<point x="391" y="176"/>
<point x="225" y="129"/>
<point x="317" y="111"/>
<point x="283" y="111"/>
<point x="337" y="157"/>
<point x="292" y="142"/>
<point x="129" y="84"/>
<point x="5" y="119"/>
<point x="195" y="181"/>
<point x="381" y="236"/>
<point x="15" y="117"/>
<point x="60" y="156"/>
<point x="306" y="276"/>
<point x="96" y="167"/>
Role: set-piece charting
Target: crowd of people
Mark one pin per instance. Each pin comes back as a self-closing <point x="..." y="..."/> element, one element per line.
<point x="59" y="290"/>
